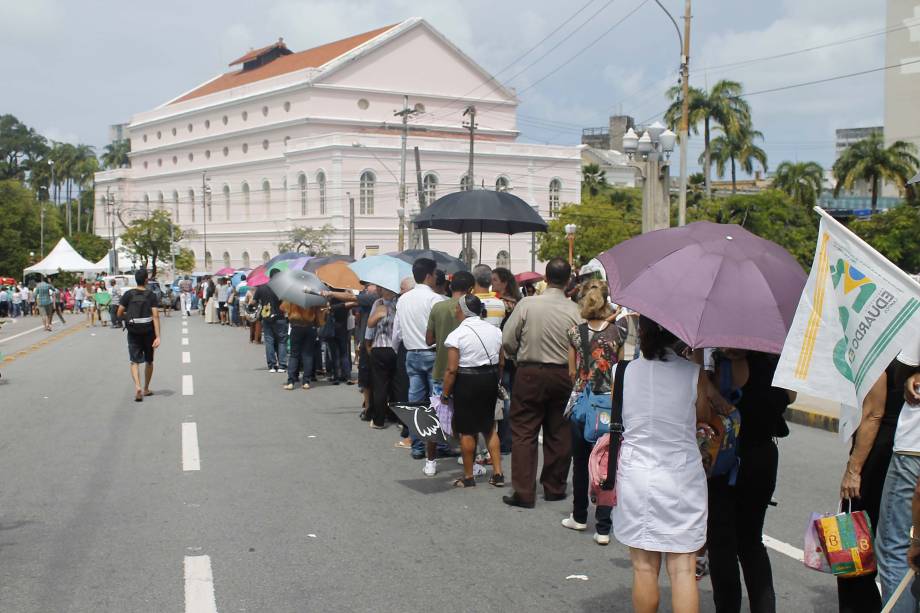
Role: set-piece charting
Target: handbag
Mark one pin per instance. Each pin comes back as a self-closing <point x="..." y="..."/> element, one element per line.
<point x="813" y="553"/>
<point x="602" y="463"/>
<point x="445" y="413"/>
<point x="846" y="539"/>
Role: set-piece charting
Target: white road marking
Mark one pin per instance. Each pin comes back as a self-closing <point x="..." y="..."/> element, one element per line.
<point x="199" y="585"/>
<point x="185" y="341"/>
<point x="188" y="385"/>
<point x="9" y="338"/>
<point x="186" y="357"/>
<point x="190" y="457"/>
<point x="784" y="548"/>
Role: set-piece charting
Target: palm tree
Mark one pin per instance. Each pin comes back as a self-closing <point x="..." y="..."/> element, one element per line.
<point x="801" y="181"/>
<point x="85" y="167"/>
<point x="870" y="161"/>
<point x="116" y="154"/>
<point x="736" y="147"/>
<point x="722" y="104"/>
<point x="593" y="178"/>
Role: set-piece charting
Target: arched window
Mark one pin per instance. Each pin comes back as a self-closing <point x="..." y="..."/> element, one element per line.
<point x="246" y="200"/>
<point x="175" y="199"/>
<point x="503" y="259"/>
<point x="226" y="191"/>
<point x="302" y="184"/>
<point x="245" y="259"/>
<point x="502" y="184"/>
<point x="267" y="197"/>
<point x="226" y="259"/>
<point x="430" y="185"/>
<point x="266" y="256"/>
<point x="366" y="200"/>
<point x="160" y="200"/>
<point x="464" y="183"/>
<point x="191" y="203"/>
<point x="207" y="260"/>
<point x="555" y="186"/>
<point x="321" y="187"/>
<point x="147" y="203"/>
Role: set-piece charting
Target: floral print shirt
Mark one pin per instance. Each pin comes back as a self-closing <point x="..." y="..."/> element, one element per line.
<point x="604" y="346"/>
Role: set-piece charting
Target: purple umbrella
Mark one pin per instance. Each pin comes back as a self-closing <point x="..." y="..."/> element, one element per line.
<point x="712" y="285"/>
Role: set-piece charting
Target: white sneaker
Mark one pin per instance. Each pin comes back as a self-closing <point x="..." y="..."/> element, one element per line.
<point x="431" y="468"/>
<point x="478" y="470"/>
<point x="570" y="523"/>
<point x="272" y="370"/>
<point x="460" y="460"/>
<point x="602" y="539"/>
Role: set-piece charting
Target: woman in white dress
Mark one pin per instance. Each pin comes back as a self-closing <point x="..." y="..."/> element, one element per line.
<point x="661" y="485"/>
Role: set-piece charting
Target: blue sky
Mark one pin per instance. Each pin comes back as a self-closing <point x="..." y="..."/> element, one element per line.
<point x="73" y="68"/>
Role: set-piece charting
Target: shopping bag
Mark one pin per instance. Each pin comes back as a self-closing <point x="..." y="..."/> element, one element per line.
<point x="814" y="557"/>
<point x="847" y="542"/>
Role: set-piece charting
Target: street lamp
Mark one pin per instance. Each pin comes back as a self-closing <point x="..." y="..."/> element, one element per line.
<point x="650" y="155"/>
<point x="570" y="234"/>
<point x="205" y="194"/>
<point x="110" y="215"/>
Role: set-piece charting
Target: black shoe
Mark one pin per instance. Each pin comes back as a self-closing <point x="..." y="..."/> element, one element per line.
<point x="336" y="383"/>
<point x="363" y="416"/>
<point x="554" y="497"/>
<point x="515" y="501"/>
<point x="418" y="455"/>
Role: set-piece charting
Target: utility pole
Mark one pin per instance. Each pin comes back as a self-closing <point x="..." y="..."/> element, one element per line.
<point x="351" y="224"/>
<point x="404" y="113"/>
<point x="471" y="125"/>
<point x="684" y="119"/>
<point x="110" y="207"/>
<point x="422" y="196"/>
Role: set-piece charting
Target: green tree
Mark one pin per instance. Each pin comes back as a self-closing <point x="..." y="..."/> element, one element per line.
<point x="736" y="147"/>
<point x="603" y="221"/>
<point x="593" y="179"/>
<point x="116" y="154"/>
<point x="185" y="261"/>
<point x="871" y="161"/>
<point x="151" y="239"/>
<point x="895" y="234"/>
<point x="304" y="239"/>
<point x="90" y="246"/>
<point x="20" y="148"/>
<point x="801" y="181"/>
<point x="722" y="105"/>
<point x="20" y="227"/>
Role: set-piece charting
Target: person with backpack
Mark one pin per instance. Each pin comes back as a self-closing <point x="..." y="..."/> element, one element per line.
<point x="594" y="347"/>
<point x="138" y="309"/>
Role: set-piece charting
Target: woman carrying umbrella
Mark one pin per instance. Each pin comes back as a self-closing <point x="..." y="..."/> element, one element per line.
<point x="474" y="364"/>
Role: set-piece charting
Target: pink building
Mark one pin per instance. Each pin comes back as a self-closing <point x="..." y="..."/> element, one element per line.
<point x="285" y="139"/>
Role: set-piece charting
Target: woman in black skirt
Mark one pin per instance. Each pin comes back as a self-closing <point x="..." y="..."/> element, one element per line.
<point x="474" y="369"/>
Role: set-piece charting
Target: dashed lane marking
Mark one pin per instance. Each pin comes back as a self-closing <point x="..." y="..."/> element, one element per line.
<point x="185" y="341"/>
<point x="199" y="585"/>
<point x="188" y="385"/>
<point x="784" y="548"/>
<point x="62" y="334"/>
<point x="191" y="459"/>
<point x="186" y="357"/>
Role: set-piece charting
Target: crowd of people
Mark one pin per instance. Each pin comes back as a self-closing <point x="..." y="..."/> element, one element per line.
<point x="43" y="297"/>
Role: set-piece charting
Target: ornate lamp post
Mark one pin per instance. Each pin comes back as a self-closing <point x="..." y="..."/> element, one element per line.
<point x="570" y="235"/>
<point x="650" y="156"/>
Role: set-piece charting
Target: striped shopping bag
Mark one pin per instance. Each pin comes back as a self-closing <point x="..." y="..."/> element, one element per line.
<point x="846" y="539"/>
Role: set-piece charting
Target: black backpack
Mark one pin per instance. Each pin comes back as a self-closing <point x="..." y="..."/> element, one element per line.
<point x="138" y="316"/>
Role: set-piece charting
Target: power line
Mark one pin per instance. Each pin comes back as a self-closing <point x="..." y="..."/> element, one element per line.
<point x="828" y="79"/>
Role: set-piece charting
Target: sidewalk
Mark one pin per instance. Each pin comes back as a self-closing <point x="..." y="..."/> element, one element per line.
<point x="814" y="412"/>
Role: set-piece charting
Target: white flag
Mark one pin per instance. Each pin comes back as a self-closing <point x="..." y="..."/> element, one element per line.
<point x="856" y="312"/>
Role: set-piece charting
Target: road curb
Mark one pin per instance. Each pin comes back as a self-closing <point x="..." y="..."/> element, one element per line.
<point x="813" y="418"/>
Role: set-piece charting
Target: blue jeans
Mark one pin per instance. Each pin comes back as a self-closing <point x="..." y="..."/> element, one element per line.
<point x="419" y="365"/>
<point x="275" y="332"/>
<point x="892" y="538"/>
<point x="303" y="339"/>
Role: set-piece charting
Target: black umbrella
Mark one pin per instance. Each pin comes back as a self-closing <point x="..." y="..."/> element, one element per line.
<point x="481" y="210"/>
<point x="448" y="263"/>
<point x="298" y="287"/>
<point x="315" y="263"/>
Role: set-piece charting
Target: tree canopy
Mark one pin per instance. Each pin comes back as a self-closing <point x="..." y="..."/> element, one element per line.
<point x="801" y="181"/>
<point x="151" y="238"/>
<point x="305" y="239"/>
<point x="871" y="161"/>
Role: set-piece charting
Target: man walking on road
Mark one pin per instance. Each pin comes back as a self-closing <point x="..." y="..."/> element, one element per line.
<point x="535" y="336"/>
<point x="185" y="289"/>
<point x="411" y="323"/>
<point x="44" y="297"/>
<point x="138" y="309"/>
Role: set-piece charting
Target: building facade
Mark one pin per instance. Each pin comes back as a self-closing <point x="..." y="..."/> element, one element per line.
<point x="292" y="139"/>
<point x="902" y="84"/>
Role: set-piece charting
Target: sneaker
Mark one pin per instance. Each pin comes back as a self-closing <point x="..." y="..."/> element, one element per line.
<point x="272" y="369"/>
<point x="282" y="368"/>
<point x="570" y="523"/>
<point x="431" y="468"/>
<point x="602" y="539"/>
<point x="306" y="386"/>
<point x="702" y="567"/>
<point x="288" y="386"/>
<point x="478" y="470"/>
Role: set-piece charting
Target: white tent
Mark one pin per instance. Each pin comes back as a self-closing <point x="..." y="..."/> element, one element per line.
<point x="123" y="262"/>
<point x="64" y="258"/>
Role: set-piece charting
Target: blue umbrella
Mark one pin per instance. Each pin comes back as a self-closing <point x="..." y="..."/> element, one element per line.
<point x="383" y="270"/>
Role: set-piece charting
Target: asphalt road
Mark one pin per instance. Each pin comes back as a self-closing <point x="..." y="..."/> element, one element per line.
<point x="295" y="505"/>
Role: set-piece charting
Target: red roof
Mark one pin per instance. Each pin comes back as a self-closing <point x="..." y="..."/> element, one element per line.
<point x="311" y="58"/>
<point x="257" y="52"/>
